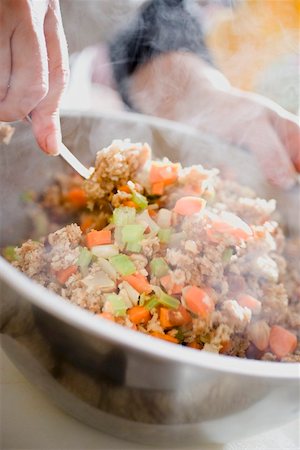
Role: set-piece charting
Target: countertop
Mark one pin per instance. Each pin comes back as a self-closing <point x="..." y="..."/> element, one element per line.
<point x="30" y="421"/>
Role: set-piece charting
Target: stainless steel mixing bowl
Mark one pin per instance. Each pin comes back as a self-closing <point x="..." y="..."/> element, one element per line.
<point x="113" y="378"/>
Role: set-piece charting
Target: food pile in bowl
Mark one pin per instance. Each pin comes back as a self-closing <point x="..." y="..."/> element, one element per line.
<point x="177" y="253"/>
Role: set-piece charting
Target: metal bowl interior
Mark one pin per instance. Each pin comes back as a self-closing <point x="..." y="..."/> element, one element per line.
<point x="103" y="374"/>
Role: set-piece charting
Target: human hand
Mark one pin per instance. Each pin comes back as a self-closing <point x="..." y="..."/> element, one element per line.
<point x="33" y="66"/>
<point x="180" y="86"/>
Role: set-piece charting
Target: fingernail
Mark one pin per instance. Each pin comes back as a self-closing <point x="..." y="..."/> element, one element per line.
<point x="52" y="145"/>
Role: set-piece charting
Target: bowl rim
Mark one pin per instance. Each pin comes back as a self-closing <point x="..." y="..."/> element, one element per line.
<point x="85" y="321"/>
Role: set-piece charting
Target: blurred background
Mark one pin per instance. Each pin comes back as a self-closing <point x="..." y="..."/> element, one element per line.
<point x="255" y="43"/>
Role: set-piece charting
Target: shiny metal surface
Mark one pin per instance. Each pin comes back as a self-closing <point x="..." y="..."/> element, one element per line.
<point x="112" y="378"/>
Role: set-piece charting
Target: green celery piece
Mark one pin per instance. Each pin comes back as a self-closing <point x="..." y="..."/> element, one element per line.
<point x="168" y="301"/>
<point x="123" y="264"/>
<point x="27" y="196"/>
<point x="164" y="235"/>
<point x="180" y="335"/>
<point x="133" y="232"/>
<point x="134" y="247"/>
<point x="9" y="253"/>
<point x="123" y="216"/>
<point x="227" y="254"/>
<point x="143" y="298"/>
<point x="152" y="303"/>
<point x="139" y="199"/>
<point x="159" y="267"/>
<point x="84" y="258"/>
<point x="118" y="304"/>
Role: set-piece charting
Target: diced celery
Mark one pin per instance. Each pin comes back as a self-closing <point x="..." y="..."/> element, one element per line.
<point x="84" y="258"/>
<point x="143" y="298"/>
<point x="180" y="335"/>
<point x="133" y="232"/>
<point x="227" y="254"/>
<point x="28" y="196"/>
<point x="134" y="247"/>
<point x="168" y="301"/>
<point x="123" y="264"/>
<point x="118" y="304"/>
<point x="139" y="199"/>
<point x="9" y="253"/>
<point x="164" y="235"/>
<point x="40" y="223"/>
<point x="123" y="216"/>
<point x="159" y="267"/>
<point x="152" y="303"/>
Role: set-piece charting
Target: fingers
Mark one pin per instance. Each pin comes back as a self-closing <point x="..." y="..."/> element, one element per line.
<point x="264" y="142"/>
<point x="45" y="117"/>
<point x="29" y="70"/>
<point x="289" y="131"/>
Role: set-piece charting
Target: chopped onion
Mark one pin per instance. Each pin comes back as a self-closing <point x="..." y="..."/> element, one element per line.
<point x="144" y="218"/>
<point x="105" y="251"/>
<point x="107" y="267"/>
<point x="99" y="279"/>
<point x="131" y="292"/>
<point x="164" y="218"/>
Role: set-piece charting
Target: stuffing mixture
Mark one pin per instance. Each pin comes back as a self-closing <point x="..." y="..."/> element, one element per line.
<point x="176" y="253"/>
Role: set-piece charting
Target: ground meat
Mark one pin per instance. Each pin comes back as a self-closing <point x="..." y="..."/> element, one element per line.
<point x="31" y="258"/>
<point x="115" y="165"/>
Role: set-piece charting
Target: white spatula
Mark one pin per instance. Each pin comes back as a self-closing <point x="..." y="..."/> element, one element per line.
<point x="68" y="156"/>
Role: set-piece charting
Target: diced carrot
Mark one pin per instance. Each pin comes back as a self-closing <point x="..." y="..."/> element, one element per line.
<point x="139" y="283"/>
<point x="198" y="301"/>
<point x="164" y="318"/>
<point x="86" y="223"/>
<point x="101" y="237"/>
<point x="64" y="274"/>
<point x="187" y="318"/>
<point x="226" y="346"/>
<point x="157" y="188"/>
<point x="77" y="196"/>
<point x="250" y="302"/>
<point x="187" y="206"/>
<point x="166" y="337"/>
<point x="130" y="204"/>
<point x="282" y="342"/>
<point x="194" y="344"/>
<point x="166" y="173"/>
<point x="106" y="315"/>
<point x="139" y="314"/>
<point x="152" y="213"/>
<point x="174" y="317"/>
<point x="231" y="224"/>
<point x="169" y="286"/>
<point x="124" y="188"/>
